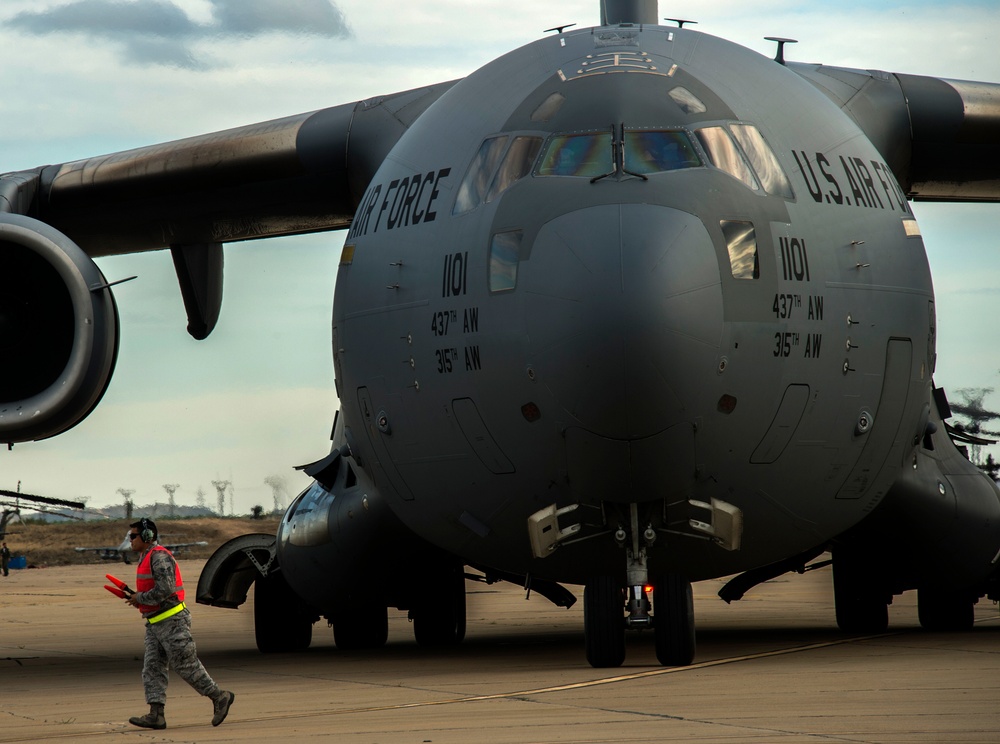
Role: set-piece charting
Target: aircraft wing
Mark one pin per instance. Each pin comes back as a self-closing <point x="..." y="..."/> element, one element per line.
<point x="178" y="547"/>
<point x="298" y="174"/>
<point x="109" y="552"/>
<point x="940" y="137"/>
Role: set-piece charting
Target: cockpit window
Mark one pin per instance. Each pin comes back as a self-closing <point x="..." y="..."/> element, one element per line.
<point x="577" y="155"/>
<point x="495" y="169"/>
<point x="516" y="164"/>
<point x="653" y="152"/>
<point x="688" y="101"/>
<point x="477" y="178"/>
<point x="763" y="160"/>
<point x="723" y="153"/>
<point x="504" y="256"/>
<point x="741" y="242"/>
<point x="549" y="107"/>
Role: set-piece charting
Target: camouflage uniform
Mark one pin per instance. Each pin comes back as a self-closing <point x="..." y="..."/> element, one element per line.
<point x="169" y="643"/>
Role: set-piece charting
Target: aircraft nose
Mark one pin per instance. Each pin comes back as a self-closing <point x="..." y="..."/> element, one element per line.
<point x="624" y="313"/>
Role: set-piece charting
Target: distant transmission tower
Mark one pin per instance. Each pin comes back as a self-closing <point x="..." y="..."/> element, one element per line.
<point x="973" y="409"/>
<point x="126" y="493"/>
<point x="220" y="488"/>
<point x="278" y="490"/>
<point x="199" y="496"/>
<point x="171" y="488"/>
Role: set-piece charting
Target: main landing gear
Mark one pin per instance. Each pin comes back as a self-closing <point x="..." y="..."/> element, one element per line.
<point x="361" y="625"/>
<point x="282" y="623"/>
<point x="862" y="596"/>
<point x="437" y="610"/>
<point x="861" y="603"/>
<point x="438" y="614"/>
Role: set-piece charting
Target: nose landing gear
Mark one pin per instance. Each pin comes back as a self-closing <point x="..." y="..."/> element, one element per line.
<point x="603" y="623"/>
<point x="614" y="601"/>
<point x="674" y="625"/>
<point x="604" y="604"/>
<point x="605" y="600"/>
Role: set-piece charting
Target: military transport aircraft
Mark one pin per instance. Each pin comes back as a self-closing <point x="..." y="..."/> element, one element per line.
<point x="629" y="307"/>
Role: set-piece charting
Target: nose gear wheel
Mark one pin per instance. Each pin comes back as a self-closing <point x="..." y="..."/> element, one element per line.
<point x="603" y="622"/>
<point x="673" y="624"/>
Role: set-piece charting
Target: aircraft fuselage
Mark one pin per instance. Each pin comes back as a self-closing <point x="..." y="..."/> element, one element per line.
<point x="580" y="278"/>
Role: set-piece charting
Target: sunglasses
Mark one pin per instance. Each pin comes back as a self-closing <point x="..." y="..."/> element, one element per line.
<point x="133" y="535"/>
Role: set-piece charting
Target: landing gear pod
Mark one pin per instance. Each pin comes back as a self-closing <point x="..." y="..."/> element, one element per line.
<point x="58" y="331"/>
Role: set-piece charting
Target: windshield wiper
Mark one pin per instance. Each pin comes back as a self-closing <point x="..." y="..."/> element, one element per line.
<point x="618" y="157"/>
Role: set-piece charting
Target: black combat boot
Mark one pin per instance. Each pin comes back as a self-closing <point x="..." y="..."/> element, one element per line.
<point x="220" y="706"/>
<point x="154" y="719"/>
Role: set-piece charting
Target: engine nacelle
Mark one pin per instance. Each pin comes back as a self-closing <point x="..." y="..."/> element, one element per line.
<point x="340" y="541"/>
<point x="58" y="331"/>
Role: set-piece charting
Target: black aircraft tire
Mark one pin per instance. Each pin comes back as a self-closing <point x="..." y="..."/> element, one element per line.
<point x="279" y="623"/>
<point x="860" y="607"/>
<point x="673" y="620"/>
<point x="862" y="614"/>
<point x="940" y="610"/>
<point x="439" y="618"/>
<point x="366" y="629"/>
<point x="604" y="622"/>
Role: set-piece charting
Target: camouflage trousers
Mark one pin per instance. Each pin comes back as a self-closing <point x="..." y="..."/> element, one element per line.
<point x="169" y="645"/>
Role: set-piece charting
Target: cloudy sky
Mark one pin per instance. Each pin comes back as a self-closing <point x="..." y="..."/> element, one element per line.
<point x="87" y="77"/>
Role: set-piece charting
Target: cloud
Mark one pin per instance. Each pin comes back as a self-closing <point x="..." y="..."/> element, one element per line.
<point x="109" y="18"/>
<point x="159" y="32"/>
<point x="150" y="50"/>
<point x="318" y="17"/>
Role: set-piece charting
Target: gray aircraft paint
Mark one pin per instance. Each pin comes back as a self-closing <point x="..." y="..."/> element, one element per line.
<point x="624" y="310"/>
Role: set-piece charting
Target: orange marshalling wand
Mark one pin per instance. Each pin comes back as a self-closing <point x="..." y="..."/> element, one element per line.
<point x="120" y="588"/>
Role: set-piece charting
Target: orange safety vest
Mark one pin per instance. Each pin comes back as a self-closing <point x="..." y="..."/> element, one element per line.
<point x="144" y="582"/>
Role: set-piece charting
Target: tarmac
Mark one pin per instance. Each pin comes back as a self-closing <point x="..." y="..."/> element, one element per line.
<point x="770" y="668"/>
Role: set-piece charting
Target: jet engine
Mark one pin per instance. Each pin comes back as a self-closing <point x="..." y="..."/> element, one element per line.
<point x="58" y="331"/>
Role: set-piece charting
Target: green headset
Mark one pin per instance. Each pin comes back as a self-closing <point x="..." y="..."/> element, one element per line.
<point x="147" y="531"/>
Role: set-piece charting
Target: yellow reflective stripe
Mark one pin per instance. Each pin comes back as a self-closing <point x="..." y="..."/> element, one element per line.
<point x="167" y="614"/>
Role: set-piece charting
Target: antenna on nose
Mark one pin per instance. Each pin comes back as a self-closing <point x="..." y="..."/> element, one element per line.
<point x="615" y="12"/>
<point x="780" y="56"/>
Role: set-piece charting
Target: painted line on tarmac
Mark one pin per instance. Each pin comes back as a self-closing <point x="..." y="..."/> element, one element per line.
<point x="124" y="729"/>
<point x="119" y="729"/>
<point x="578" y="685"/>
